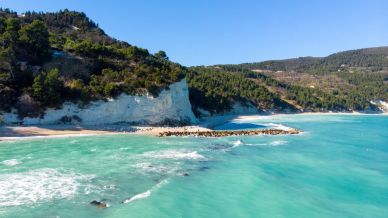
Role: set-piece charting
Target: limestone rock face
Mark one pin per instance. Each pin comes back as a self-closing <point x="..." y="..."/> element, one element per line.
<point x="171" y="104"/>
<point x="382" y="105"/>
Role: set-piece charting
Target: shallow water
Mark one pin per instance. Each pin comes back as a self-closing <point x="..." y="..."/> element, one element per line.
<point x="337" y="168"/>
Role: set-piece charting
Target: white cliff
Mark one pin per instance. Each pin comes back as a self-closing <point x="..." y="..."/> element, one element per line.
<point x="171" y="104"/>
<point x="382" y="105"/>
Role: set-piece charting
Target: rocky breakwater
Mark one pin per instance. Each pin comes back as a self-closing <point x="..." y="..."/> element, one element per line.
<point x="223" y="133"/>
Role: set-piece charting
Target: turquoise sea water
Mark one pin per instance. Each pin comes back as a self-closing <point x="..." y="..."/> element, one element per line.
<point x="337" y="168"/>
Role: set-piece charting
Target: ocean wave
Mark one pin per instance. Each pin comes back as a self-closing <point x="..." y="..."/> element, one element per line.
<point x="138" y="196"/>
<point x="147" y="193"/>
<point x="175" y="143"/>
<point x="174" y="154"/>
<point x="237" y="143"/>
<point x="109" y="187"/>
<point x="147" y="167"/>
<point x="273" y="143"/>
<point x="277" y="143"/>
<point x="256" y="144"/>
<point x="125" y="148"/>
<point x="277" y="126"/>
<point x="39" y="185"/>
<point x="11" y="162"/>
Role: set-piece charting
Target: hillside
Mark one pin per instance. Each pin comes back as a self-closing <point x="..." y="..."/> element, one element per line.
<point x="372" y="59"/>
<point x="49" y="58"/>
<point x="344" y="81"/>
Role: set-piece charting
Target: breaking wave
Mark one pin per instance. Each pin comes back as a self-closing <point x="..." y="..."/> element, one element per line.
<point x="237" y="143"/>
<point x="277" y="143"/>
<point x="273" y="143"/>
<point x="11" y="162"/>
<point x="174" y="154"/>
<point x="147" y="167"/>
<point x="39" y="185"/>
<point x="277" y="126"/>
<point x="145" y="194"/>
<point x="138" y="196"/>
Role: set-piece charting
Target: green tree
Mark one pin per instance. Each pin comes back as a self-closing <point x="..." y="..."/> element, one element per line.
<point x="35" y="38"/>
<point x="47" y="88"/>
<point x="161" y="55"/>
<point x="38" y="91"/>
<point x="111" y="89"/>
<point x="13" y="26"/>
<point x="53" y="87"/>
<point x="3" y="25"/>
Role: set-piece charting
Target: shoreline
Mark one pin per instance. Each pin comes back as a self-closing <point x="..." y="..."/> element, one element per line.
<point x="12" y="133"/>
<point x="260" y="116"/>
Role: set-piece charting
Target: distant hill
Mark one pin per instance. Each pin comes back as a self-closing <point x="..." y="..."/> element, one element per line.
<point x="344" y="81"/>
<point x="373" y="58"/>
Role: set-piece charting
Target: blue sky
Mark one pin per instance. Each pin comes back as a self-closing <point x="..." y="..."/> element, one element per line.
<point x="206" y="32"/>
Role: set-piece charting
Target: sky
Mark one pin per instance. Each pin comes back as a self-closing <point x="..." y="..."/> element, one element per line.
<point x="208" y="32"/>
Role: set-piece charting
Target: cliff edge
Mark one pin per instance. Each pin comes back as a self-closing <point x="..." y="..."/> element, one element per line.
<point x="171" y="106"/>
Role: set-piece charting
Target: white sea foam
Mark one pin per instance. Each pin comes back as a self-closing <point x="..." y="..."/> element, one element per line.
<point x="175" y="143"/>
<point x="273" y="143"/>
<point x="147" y="167"/>
<point x="173" y="154"/>
<point x="125" y="148"/>
<point x="277" y="126"/>
<point x="11" y="162"/>
<point x="237" y="143"/>
<point x="277" y="143"/>
<point x="38" y="185"/>
<point x="256" y="144"/>
<point x="138" y="196"/>
<point x="147" y="193"/>
<point x="109" y="187"/>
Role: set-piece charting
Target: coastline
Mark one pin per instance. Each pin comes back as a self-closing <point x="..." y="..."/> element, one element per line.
<point x="258" y="116"/>
<point x="11" y="133"/>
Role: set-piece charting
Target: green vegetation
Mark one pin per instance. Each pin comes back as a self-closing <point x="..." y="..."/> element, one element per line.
<point x="344" y="81"/>
<point x="49" y="58"/>
<point x="217" y="91"/>
<point x="372" y="58"/>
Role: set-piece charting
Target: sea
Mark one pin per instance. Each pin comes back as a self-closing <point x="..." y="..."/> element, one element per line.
<point x="338" y="167"/>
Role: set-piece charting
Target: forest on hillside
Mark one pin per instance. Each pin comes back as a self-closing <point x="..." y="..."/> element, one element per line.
<point x="223" y="88"/>
<point x="49" y="58"/>
<point x="344" y="81"/>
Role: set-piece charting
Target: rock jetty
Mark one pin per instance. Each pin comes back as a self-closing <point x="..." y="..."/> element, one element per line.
<point x="223" y="133"/>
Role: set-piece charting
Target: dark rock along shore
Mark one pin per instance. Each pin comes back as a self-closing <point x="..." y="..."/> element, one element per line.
<point x="231" y="133"/>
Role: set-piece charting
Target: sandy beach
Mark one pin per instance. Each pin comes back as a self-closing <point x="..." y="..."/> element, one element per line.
<point x="8" y="133"/>
<point x="50" y="131"/>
